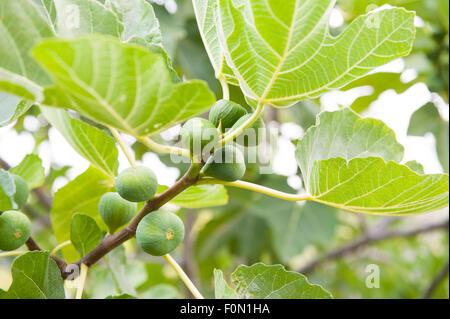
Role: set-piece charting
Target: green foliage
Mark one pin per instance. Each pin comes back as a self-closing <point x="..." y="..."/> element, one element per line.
<point x="200" y="196"/>
<point x="268" y="282"/>
<point x="22" y="191"/>
<point x="116" y="211"/>
<point x="15" y="229"/>
<point x="252" y="136"/>
<point x="84" y="233"/>
<point x="137" y="184"/>
<point x="35" y="276"/>
<point x="226" y="164"/>
<point x="159" y="233"/>
<point x="31" y="170"/>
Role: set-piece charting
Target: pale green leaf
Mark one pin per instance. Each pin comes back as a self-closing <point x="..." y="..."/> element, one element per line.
<point x="370" y="185"/>
<point x="22" y="24"/>
<point x="205" y="11"/>
<point x="344" y="134"/>
<point x="31" y="170"/>
<point x="85" y="234"/>
<point x="35" y="276"/>
<point x="79" y="196"/>
<point x="90" y="142"/>
<point x="282" y="52"/>
<point x="11" y="108"/>
<point x="221" y="287"/>
<point x="120" y="85"/>
<point x="7" y="191"/>
<point x="274" y="282"/>
<point x="416" y="167"/>
<point x="76" y="17"/>
<point x="200" y="196"/>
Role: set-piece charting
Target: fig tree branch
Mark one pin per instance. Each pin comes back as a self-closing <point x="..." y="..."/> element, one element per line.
<point x="372" y="238"/>
<point x="440" y="276"/>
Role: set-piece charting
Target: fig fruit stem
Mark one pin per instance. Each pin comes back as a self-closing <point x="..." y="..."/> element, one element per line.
<point x="258" y="189"/>
<point x="230" y="136"/>
<point x="12" y="253"/>
<point x="180" y="272"/>
<point x="59" y="247"/>
<point x="225" y="88"/>
<point x="82" y="281"/>
<point x="123" y="146"/>
<point x="165" y="149"/>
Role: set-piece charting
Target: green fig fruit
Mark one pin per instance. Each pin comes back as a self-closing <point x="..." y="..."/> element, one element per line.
<point x="225" y="114"/>
<point x="253" y="135"/>
<point x="159" y="233"/>
<point x="22" y="191"/>
<point x="197" y="134"/>
<point x="15" y="229"/>
<point x="137" y="184"/>
<point x="116" y="211"/>
<point x="226" y="164"/>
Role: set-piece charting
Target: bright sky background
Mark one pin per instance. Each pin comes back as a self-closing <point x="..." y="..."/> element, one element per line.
<point x="394" y="109"/>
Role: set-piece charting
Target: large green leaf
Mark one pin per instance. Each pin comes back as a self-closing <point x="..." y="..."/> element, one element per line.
<point x="119" y="85"/>
<point x="221" y="287"/>
<point x="79" y="196"/>
<point x="274" y="282"/>
<point x="22" y="24"/>
<point x="370" y="185"/>
<point x="205" y="13"/>
<point x="282" y="52"/>
<point x="350" y="163"/>
<point x="200" y="196"/>
<point x="35" y="276"/>
<point x="345" y="134"/>
<point x="85" y="234"/>
<point x="74" y="17"/>
<point x="31" y="170"/>
<point x="90" y="142"/>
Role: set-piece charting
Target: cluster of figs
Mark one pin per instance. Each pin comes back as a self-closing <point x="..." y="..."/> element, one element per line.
<point x="160" y="232"/>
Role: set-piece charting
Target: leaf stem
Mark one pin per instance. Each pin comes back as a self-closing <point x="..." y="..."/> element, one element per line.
<point x="164" y="148"/>
<point x="180" y="272"/>
<point x="11" y="253"/>
<point x="123" y="146"/>
<point x="82" y="280"/>
<point x="225" y="88"/>
<point x="230" y="136"/>
<point x="258" y="189"/>
<point x="59" y="247"/>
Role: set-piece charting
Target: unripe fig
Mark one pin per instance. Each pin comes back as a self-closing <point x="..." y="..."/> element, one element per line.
<point x="197" y="133"/>
<point x="253" y="135"/>
<point x="22" y="191"/>
<point x="137" y="184"/>
<point x="159" y="233"/>
<point x="115" y="211"/>
<point x="225" y="114"/>
<point x="226" y="164"/>
<point x="15" y="229"/>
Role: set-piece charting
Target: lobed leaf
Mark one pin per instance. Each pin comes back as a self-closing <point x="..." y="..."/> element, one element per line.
<point x="120" y="85"/>
<point x="282" y="52"/>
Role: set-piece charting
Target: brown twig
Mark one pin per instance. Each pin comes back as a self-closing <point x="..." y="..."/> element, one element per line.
<point x="112" y="241"/>
<point x="371" y="238"/>
<point x="440" y="276"/>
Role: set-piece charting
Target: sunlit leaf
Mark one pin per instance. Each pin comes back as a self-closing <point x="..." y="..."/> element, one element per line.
<point x="200" y="196"/>
<point x="119" y="85"/>
<point x="31" y="170"/>
<point x="90" y="142"/>
<point x="282" y="52"/>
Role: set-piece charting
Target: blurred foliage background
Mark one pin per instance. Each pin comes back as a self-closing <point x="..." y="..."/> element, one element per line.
<point x="333" y="248"/>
